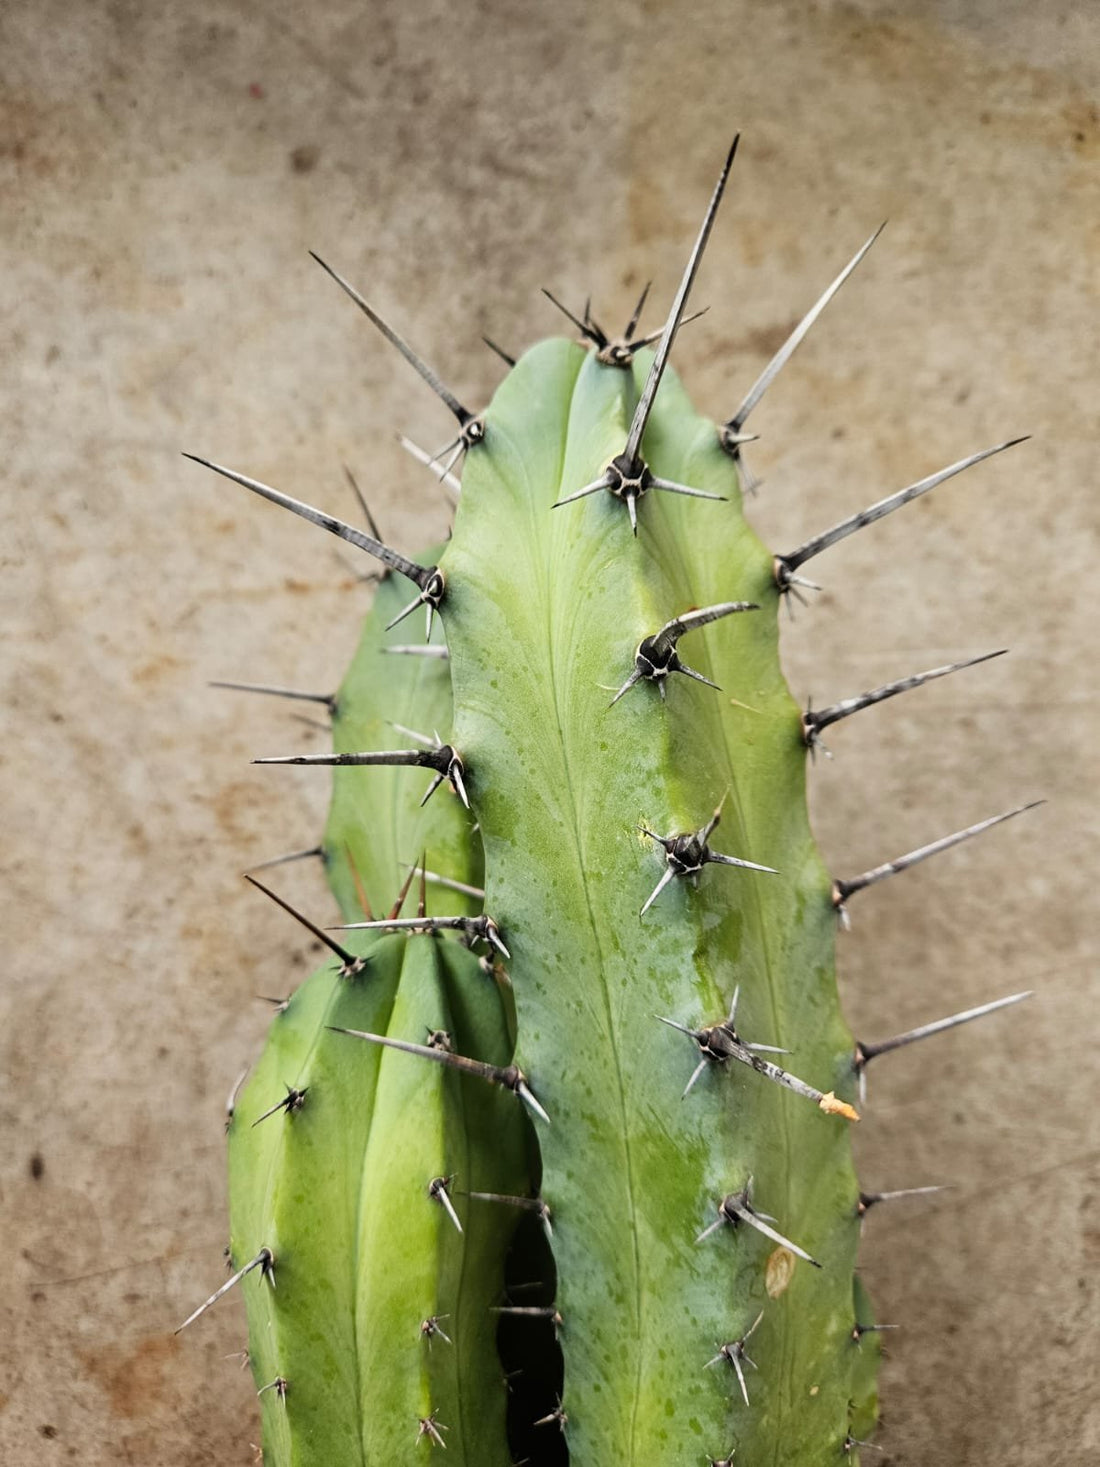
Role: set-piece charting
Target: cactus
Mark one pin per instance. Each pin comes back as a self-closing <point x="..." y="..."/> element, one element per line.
<point x="582" y="1121"/>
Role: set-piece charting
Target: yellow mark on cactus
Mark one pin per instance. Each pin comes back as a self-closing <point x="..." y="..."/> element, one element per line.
<point x="778" y="1271"/>
<point x="834" y="1107"/>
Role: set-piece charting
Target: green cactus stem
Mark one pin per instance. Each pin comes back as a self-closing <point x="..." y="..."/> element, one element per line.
<point x="581" y="1120"/>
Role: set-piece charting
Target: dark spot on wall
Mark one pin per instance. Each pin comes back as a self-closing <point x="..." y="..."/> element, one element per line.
<point x="303" y="159"/>
<point x="131" y="1378"/>
<point x="37" y="1166"/>
<point x="765" y="341"/>
<point x="47" y="1430"/>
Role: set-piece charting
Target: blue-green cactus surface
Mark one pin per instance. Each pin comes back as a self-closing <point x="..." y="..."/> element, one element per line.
<point x="554" y="1162"/>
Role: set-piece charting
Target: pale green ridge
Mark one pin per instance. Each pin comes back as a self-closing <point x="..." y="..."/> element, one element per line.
<point x="292" y="1188"/>
<point x="868" y="1353"/>
<point x="792" y="980"/>
<point x="252" y="1155"/>
<point x="375" y="814"/>
<point x="544" y="610"/>
<point x="413" y="1263"/>
<point x="338" y="1190"/>
<point x="316" y="1185"/>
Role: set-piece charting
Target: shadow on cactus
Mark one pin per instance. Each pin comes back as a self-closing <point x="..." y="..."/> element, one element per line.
<point x="558" y="1164"/>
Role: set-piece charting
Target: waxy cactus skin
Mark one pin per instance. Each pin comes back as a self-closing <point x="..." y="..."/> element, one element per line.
<point x="550" y="607"/>
<point x="626" y="1047"/>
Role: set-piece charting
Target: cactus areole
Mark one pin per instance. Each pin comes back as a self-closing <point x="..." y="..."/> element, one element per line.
<point x="553" y="1162"/>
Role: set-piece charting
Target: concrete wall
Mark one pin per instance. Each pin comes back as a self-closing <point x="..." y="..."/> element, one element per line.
<point x="163" y="170"/>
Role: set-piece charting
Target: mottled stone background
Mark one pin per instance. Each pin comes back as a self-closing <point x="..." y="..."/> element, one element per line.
<point x="163" y="170"/>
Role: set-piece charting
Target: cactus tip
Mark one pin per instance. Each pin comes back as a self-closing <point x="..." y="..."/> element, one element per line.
<point x="421" y="575"/>
<point x="842" y="890"/>
<point x="292" y="1101"/>
<point x="785" y="566"/>
<point x="352" y="965"/>
<point x="867" y="1200"/>
<point x="234" y="1095"/>
<point x="431" y="1327"/>
<point x="730" y="434"/>
<point x="309" y="853"/>
<point x="328" y="699"/>
<point x="463" y="417"/>
<point x="557" y="1417"/>
<point x="429" y="1428"/>
<point x="439" y="1190"/>
<point x="813" y="721"/>
<point x="264" y="1261"/>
